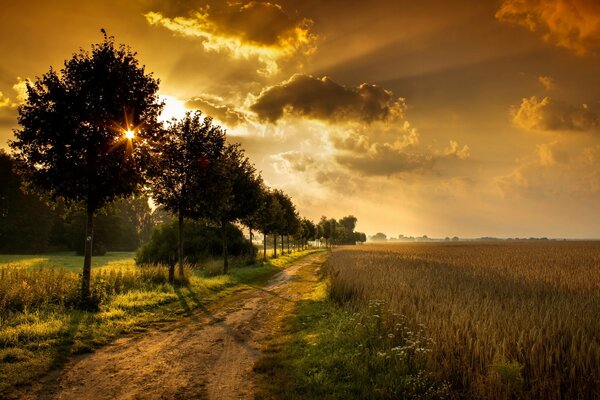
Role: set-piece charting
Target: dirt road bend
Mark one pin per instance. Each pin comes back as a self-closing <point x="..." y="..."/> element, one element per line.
<point x="207" y="355"/>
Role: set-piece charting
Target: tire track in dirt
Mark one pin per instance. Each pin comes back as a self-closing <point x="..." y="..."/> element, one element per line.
<point x="209" y="354"/>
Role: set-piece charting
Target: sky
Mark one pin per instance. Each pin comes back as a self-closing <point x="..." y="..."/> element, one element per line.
<point x="442" y="118"/>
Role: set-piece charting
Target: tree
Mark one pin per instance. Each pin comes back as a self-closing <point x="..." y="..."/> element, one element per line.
<point x="360" y="237"/>
<point x="325" y="226"/>
<point x="269" y="219"/>
<point x="185" y="173"/>
<point x="287" y="221"/>
<point x="240" y="194"/>
<point x="85" y="132"/>
<point x="379" y="237"/>
<point x="319" y="232"/>
<point x="334" y="231"/>
<point x="308" y="231"/>
<point x="349" y="223"/>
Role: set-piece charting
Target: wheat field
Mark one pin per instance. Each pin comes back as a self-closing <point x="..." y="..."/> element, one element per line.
<point x="506" y="319"/>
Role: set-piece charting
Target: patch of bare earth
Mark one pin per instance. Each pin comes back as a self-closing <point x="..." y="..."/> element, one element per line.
<point x="209" y="354"/>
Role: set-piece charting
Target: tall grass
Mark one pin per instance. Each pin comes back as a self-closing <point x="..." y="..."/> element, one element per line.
<point x="507" y="320"/>
<point x="29" y="289"/>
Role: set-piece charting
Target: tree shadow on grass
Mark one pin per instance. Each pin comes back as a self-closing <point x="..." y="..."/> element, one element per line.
<point x="49" y="384"/>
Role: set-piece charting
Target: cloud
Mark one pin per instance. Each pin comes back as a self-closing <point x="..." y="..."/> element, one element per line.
<point x="385" y="150"/>
<point x="21" y="94"/>
<point x="461" y="153"/>
<point x="211" y="107"/>
<point x="573" y="24"/>
<point x="316" y="168"/>
<point x="385" y="160"/>
<point x="554" y="171"/>
<point x="551" y="115"/>
<point x="255" y="29"/>
<point x="547" y="82"/>
<point x="322" y="98"/>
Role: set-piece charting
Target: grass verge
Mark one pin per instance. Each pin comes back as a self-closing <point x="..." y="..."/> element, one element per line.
<point x="329" y="350"/>
<point x="35" y="341"/>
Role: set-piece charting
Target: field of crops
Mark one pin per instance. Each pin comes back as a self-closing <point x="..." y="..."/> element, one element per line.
<point x="505" y="319"/>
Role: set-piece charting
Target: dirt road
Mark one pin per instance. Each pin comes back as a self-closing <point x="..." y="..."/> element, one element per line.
<point x="208" y="355"/>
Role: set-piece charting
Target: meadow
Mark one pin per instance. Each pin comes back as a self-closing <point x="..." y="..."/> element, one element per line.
<point x="41" y="327"/>
<point x="499" y="319"/>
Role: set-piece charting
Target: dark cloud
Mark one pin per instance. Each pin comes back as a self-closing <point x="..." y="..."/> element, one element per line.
<point x="322" y="98"/>
<point x="223" y="113"/>
<point x="551" y="115"/>
<point x="573" y="24"/>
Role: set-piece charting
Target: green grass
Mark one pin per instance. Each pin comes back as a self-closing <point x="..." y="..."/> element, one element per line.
<point x="331" y="351"/>
<point x="43" y="335"/>
<point x="66" y="260"/>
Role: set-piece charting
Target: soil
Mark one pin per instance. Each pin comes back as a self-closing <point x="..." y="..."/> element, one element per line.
<point x="209" y="354"/>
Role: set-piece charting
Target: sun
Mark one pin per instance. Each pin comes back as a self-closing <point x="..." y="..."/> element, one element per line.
<point x="174" y="108"/>
<point x="129" y="134"/>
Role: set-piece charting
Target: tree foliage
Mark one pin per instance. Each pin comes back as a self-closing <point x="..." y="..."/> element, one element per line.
<point x="71" y="144"/>
<point x="184" y="176"/>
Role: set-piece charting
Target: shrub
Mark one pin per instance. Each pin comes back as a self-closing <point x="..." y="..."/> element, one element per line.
<point x="201" y="242"/>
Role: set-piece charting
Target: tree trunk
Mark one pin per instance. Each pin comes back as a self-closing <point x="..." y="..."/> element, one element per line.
<point x="264" y="247"/>
<point x="282" y="251"/>
<point x="224" y="236"/>
<point x="172" y="273"/>
<point x="87" y="260"/>
<point x="288" y="240"/>
<point x="274" y="245"/>
<point x="180" y="246"/>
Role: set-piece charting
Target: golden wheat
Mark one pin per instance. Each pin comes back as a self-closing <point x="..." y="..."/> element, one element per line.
<point x="516" y="319"/>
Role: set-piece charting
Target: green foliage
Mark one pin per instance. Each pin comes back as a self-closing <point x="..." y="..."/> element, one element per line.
<point x="202" y="242"/>
<point x="184" y="177"/>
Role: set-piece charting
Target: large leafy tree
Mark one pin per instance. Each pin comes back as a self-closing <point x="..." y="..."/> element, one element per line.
<point x="86" y="132"/>
<point x="240" y="191"/>
<point x="186" y="178"/>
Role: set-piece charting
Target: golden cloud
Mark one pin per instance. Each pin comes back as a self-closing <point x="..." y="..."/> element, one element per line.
<point x="555" y="171"/>
<point x="550" y="115"/>
<point x="573" y="24"/>
<point x="21" y="94"/>
<point x="256" y="29"/>
<point x="322" y="98"/>
<point x="223" y="113"/>
<point x="547" y="82"/>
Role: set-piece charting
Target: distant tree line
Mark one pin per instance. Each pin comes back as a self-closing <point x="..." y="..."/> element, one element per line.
<point x="29" y="224"/>
<point x="90" y="143"/>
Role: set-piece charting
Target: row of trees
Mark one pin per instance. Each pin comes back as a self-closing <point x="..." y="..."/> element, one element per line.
<point x="89" y="135"/>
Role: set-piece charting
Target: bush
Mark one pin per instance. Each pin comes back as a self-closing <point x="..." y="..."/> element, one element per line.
<point x="201" y="242"/>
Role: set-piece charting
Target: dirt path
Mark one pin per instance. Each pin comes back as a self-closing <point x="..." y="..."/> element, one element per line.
<point x="209" y="354"/>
